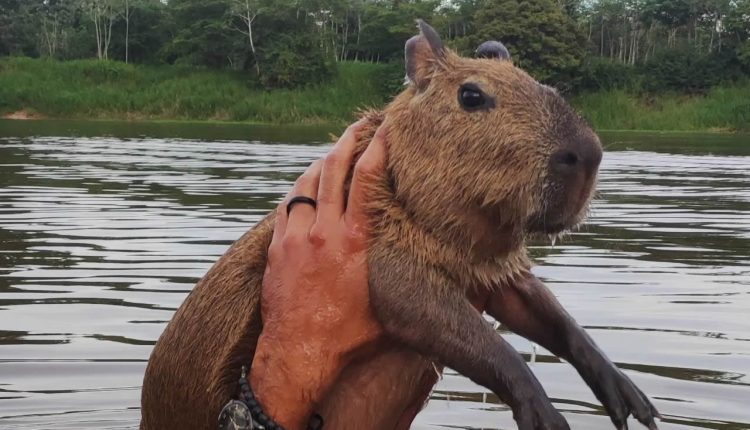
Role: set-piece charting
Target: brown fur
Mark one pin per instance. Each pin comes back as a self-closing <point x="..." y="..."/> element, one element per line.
<point x="462" y="191"/>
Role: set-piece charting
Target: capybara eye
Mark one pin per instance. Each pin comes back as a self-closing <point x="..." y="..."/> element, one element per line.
<point x="472" y="98"/>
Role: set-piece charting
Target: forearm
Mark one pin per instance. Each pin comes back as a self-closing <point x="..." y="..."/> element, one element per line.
<point x="530" y="309"/>
<point x="290" y="380"/>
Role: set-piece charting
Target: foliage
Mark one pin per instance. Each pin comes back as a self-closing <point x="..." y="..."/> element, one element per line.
<point x="603" y="74"/>
<point x="743" y="55"/>
<point x="391" y="78"/>
<point x="202" y="35"/>
<point x="293" y="60"/>
<point x="722" y="108"/>
<point x="639" y="45"/>
<point x="685" y="70"/>
<point x="541" y="37"/>
<point x="151" y="27"/>
<point x="109" y="89"/>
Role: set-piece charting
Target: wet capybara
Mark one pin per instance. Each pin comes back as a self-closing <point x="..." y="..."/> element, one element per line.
<point x="480" y="157"/>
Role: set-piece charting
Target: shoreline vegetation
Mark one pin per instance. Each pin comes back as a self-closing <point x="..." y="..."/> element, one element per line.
<point x="111" y="90"/>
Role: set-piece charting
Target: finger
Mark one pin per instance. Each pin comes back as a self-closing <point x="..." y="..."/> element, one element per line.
<point x="367" y="172"/>
<point x="301" y="216"/>
<point x="335" y="169"/>
<point x="280" y="219"/>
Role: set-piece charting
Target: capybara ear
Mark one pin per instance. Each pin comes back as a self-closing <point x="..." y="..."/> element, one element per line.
<point x="424" y="54"/>
<point x="493" y="49"/>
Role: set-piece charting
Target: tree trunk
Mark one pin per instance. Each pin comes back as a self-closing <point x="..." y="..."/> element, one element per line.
<point x="108" y="39"/>
<point x="359" y="33"/>
<point x="98" y="33"/>
<point x="127" y="29"/>
<point x="601" y="39"/>
<point x="250" y="36"/>
<point x="346" y="36"/>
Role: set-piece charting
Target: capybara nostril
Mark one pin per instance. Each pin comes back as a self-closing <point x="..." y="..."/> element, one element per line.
<point x="565" y="161"/>
<point x="581" y="154"/>
<point x="568" y="158"/>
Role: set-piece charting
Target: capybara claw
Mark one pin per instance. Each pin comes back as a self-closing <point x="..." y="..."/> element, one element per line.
<point x="621" y="398"/>
<point x="540" y="417"/>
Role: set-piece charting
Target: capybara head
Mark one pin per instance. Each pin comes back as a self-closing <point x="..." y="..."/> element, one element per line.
<point x="480" y="148"/>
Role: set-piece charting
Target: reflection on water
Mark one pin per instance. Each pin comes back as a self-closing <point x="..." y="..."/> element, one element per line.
<point x="102" y="238"/>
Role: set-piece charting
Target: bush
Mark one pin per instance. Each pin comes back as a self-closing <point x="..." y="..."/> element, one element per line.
<point x="108" y="89"/>
<point x="743" y="55"/>
<point x="602" y="74"/>
<point x="390" y="77"/>
<point x="686" y="70"/>
<point x="726" y="107"/>
<point x="293" y="60"/>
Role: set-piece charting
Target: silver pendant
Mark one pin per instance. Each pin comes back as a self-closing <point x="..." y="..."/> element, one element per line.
<point x="236" y="416"/>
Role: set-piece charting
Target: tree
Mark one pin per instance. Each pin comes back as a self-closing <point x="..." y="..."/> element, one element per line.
<point x="147" y="29"/>
<point x="386" y="25"/>
<point x="53" y="19"/>
<point x="738" y="32"/>
<point x="247" y="11"/>
<point x="291" y="50"/>
<point x="103" y="14"/>
<point x="541" y="37"/>
<point x="9" y="11"/>
<point x="126" y="15"/>
<point x="203" y="34"/>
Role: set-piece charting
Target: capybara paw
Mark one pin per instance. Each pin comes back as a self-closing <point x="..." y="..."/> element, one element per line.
<point x="540" y="416"/>
<point x="621" y="398"/>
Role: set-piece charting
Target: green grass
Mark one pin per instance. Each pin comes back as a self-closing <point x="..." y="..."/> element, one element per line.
<point x="725" y="108"/>
<point x="112" y="90"/>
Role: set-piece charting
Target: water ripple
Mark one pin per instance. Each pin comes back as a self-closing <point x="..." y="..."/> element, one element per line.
<point x="103" y="238"/>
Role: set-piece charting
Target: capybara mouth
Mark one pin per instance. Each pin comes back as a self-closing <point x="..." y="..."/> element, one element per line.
<point x="543" y="227"/>
<point x="563" y="214"/>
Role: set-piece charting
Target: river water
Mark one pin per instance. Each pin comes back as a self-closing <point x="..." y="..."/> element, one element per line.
<point x="104" y="230"/>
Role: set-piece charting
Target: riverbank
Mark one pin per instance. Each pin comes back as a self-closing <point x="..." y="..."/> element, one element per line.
<point x="89" y="89"/>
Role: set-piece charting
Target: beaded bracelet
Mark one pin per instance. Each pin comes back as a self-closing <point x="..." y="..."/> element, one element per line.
<point x="256" y="411"/>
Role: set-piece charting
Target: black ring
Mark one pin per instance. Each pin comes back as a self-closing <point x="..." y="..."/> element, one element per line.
<point x="300" y="199"/>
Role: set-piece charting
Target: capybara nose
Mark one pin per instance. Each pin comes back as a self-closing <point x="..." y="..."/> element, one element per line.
<point x="579" y="155"/>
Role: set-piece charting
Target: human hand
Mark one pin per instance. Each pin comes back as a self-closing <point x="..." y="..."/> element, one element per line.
<point x="315" y="300"/>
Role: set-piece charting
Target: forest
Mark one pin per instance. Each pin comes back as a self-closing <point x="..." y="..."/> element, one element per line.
<point x="642" y="47"/>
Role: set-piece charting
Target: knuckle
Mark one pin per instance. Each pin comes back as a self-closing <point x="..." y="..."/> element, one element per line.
<point x="311" y="171"/>
<point x="274" y="253"/>
<point x="365" y="168"/>
<point x="291" y="242"/>
<point x="326" y="198"/>
<point x="353" y="128"/>
<point x="333" y="160"/>
<point x="303" y="180"/>
<point x="318" y="235"/>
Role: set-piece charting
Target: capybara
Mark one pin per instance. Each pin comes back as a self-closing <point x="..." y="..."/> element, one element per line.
<point x="480" y="157"/>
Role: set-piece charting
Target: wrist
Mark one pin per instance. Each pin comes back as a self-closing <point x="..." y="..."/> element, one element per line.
<point x="289" y="378"/>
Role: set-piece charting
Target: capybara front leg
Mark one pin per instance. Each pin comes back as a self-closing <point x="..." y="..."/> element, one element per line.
<point x="529" y="309"/>
<point x="439" y="322"/>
